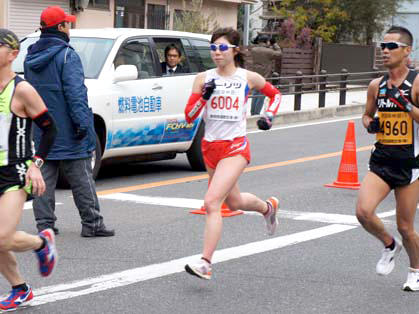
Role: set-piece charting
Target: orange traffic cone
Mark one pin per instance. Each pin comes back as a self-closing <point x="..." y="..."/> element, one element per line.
<point x="225" y="211"/>
<point x="348" y="169"/>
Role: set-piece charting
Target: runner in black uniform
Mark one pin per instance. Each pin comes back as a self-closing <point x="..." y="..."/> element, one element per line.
<point x="394" y="156"/>
<point x="19" y="174"/>
<point x="391" y="113"/>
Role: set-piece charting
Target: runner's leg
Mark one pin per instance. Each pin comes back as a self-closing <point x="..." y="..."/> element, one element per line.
<point x="11" y="207"/>
<point x="373" y="191"/>
<point x="222" y="181"/>
<point x="407" y="198"/>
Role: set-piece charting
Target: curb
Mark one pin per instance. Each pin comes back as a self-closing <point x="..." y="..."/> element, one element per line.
<point x="308" y="115"/>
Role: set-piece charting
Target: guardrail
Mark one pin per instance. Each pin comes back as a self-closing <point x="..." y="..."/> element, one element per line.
<point x="321" y="84"/>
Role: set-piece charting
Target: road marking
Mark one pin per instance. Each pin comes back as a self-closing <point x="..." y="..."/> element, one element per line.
<point x="29" y="205"/>
<point x="205" y="176"/>
<point x="105" y="282"/>
<point x="299" y="125"/>
<point x="189" y="203"/>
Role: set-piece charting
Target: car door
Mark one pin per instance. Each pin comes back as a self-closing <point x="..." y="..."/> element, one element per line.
<point x="138" y="103"/>
<point x="177" y="88"/>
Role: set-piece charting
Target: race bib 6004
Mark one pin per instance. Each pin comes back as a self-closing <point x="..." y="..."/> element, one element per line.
<point x="224" y="107"/>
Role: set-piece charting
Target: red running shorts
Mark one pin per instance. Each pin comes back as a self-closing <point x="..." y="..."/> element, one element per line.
<point x="214" y="151"/>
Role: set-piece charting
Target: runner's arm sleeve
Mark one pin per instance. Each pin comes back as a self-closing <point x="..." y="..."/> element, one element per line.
<point x="274" y="95"/>
<point x="49" y="131"/>
<point x="194" y="106"/>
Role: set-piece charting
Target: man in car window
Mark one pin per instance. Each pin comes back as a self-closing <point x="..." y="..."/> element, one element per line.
<point x="55" y="70"/>
<point x="172" y="55"/>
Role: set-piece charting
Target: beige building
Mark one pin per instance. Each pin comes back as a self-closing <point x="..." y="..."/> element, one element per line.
<point x="22" y="16"/>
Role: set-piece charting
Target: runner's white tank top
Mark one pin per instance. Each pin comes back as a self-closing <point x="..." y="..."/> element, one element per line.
<point x="225" y="111"/>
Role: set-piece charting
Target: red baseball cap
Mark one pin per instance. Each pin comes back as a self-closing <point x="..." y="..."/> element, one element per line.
<point x="52" y="16"/>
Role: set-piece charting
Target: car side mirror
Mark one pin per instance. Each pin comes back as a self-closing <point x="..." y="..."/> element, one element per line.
<point x="125" y="72"/>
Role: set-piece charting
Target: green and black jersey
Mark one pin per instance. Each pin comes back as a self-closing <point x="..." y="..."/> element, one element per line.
<point x="15" y="132"/>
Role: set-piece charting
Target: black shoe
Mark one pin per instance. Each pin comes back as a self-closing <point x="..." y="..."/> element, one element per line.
<point x="103" y="232"/>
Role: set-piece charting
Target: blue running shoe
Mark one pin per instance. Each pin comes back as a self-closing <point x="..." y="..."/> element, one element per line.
<point x="48" y="255"/>
<point x="16" y="298"/>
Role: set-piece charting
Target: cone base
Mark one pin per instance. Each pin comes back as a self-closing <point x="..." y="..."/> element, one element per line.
<point x="343" y="185"/>
<point x="224" y="212"/>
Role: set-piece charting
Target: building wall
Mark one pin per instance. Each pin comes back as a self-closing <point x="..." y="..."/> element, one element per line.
<point x="225" y="12"/>
<point x="3" y="13"/>
<point x="96" y="18"/>
<point x="408" y="16"/>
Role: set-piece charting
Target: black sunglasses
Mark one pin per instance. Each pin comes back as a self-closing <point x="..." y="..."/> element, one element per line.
<point x="391" y="45"/>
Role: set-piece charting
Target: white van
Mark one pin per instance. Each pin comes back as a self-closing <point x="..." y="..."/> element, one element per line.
<point x="138" y="110"/>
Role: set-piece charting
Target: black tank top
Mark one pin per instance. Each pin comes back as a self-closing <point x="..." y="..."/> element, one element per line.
<point x="398" y="139"/>
<point x="15" y="135"/>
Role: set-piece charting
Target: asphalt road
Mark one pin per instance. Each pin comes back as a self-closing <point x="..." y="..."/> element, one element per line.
<point x="320" y="260"/>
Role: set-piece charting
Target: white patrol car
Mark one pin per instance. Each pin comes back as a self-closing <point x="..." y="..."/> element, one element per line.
<point x="138" y="110"/>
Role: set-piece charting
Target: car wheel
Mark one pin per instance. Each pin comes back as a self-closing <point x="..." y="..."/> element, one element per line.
<point x="194" y="153"/>
<point x="62" y="181"/>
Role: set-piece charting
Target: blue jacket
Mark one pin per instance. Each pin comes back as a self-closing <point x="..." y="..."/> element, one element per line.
<point x="55" y="70"/>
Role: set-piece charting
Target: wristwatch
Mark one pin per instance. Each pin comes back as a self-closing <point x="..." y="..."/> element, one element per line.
<point x="38" y="162"/>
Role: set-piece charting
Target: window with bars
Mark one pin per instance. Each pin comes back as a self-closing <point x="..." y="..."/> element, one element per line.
<point x="156" y="16"/>
<point x="99" y="4"/>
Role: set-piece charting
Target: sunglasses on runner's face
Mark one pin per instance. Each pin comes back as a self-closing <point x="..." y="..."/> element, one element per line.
<point x="391" y="45"/>
<point x="222" y="47"/>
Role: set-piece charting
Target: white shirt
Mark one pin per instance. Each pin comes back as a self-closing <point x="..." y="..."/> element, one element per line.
<point x="225" y="111"/>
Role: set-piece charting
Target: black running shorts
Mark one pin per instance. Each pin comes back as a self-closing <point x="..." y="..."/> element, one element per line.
<point x="12" y="177"/>
<point x="394" y="176"/>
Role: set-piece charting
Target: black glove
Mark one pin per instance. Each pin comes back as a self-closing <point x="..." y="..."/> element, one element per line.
<point x="80" y="134"/>
<point x="208" y="89"/>
<point x="265" y="122"/>
<point x="374" y="126"/>
<point x="396" y="96"/>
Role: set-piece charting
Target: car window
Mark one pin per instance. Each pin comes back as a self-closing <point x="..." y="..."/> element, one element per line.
<point x="137" y="52"/>
<point x="92" y="51"/>
<point x="161" y="45"/>
<point x="202" y="47"/>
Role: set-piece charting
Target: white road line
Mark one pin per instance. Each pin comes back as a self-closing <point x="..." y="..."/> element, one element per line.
<point x="308" y="124"/>
<point x="131" y="276"/>
<point x="188" y="203"/>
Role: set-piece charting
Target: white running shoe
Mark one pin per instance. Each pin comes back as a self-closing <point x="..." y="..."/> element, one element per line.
<point x="412" y="282"/>
<point x="272" y="218"/>
<point x="201" y="269"/>
<point x="386" y="263"/>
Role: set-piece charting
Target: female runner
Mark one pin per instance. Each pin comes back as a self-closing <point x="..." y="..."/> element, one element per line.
<point x="223" y="92"/>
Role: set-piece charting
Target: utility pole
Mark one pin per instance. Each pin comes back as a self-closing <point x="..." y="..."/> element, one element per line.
<point x="246" y="25"/>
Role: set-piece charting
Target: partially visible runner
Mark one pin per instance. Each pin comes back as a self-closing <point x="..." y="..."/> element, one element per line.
<point x="20" y="176"/>
<point x="223" y="92"/>
<point x="394" y="159"/>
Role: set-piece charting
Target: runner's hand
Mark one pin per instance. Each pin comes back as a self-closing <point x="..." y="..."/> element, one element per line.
<point x="265" y="122"/>
<point x="208" y="89"/>
<point x="374" y="126"/>
<point x="34" y="177"/>
<point x="396" y="96"/>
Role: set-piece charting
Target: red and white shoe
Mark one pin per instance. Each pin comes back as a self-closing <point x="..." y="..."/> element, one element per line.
<point x="271" y="217"/>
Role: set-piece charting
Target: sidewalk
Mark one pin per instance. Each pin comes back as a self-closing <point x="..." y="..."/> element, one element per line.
<point x="355" y="104"/>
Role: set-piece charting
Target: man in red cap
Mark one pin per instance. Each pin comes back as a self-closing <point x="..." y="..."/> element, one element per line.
<point x="55" y="70"/>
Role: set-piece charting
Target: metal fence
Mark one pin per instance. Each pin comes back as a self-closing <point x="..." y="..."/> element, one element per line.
<point x="323" y="83"/>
